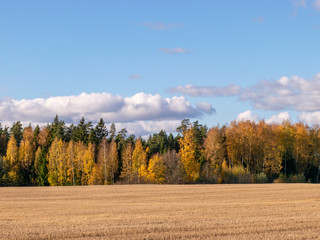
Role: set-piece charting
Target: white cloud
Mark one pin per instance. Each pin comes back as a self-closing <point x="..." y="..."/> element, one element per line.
<point x="93" y="106"/>
<point x="176" y="50"/>
<point x="310" y="117"/>
<point x="279" y="118"/>
<point x="143" y="128"/>
<point x="205" y="107"/>
<point x="247" y="116"/>
<point x="286" y="93"/>
<point x="162" y="26"/>
<point x="207" y="91"/>
<point x="292" y="93"/>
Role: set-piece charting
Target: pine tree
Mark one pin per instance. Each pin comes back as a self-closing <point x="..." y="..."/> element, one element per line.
<point x="16" y="131"/>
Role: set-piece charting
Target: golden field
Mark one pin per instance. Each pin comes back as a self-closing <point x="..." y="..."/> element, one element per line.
<point x="266" y="211"/>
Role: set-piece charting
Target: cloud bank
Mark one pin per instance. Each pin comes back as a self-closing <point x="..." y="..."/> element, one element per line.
<point x="112" y="108"/>
<point x="284" y="94"/>
<point x="287" y="93"/>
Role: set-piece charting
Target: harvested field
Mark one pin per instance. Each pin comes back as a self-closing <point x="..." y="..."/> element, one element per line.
<point x="266" y="211"/>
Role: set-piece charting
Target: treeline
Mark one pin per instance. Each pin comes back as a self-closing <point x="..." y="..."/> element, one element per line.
<point x="83" y="154"/>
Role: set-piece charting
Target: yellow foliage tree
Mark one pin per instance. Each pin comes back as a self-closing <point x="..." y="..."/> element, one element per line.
<point x="127" y="163"/>
<point x="88" y="164"/>
<point x="156" y="170"/>
<point x="143" y="173"/>
<point x="112" y="160"/>
<point x="57" y="165"/>
<point x="80" y="150"/>
<point x="187" y="153"/>
<point x="26" y="151"/>
<point x="71" y="162"/>
<point x="302" y="147"/>
<point x="273" y="151"/>
<point x="12" y="155"/>
<point x="11" y="160"/>
<point x="139" y="157"/>
<point x="101" y="171"/>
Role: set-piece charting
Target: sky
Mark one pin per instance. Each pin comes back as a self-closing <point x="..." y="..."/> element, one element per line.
<point x="146" y="65"/>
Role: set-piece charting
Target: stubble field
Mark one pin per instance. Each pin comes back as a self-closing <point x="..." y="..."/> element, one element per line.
<point x="266" y="211"/>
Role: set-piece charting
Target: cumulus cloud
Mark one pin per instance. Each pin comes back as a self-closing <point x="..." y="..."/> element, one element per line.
<point x="205" y="107"/>
<point x="162" y="26"/>
<point x="310" y="117"/>
<point x="286" y="93"/>
<point x="207" y="91"/>
<point x="247" y="116"/>
<point x="279" y="118"/>
<point x="250" y="116"/>
<point x="143" y="128"/>
<point x="292" y="93"/>
<point x="92" y="106"/>
<point x="68" y="107"/>
<point x="176" y="50"/>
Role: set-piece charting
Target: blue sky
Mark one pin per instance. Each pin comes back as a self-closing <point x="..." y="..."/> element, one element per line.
<point x="147" y="65"/>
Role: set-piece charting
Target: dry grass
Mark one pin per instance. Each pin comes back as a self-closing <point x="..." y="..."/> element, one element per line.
<point x="268" y="211"/>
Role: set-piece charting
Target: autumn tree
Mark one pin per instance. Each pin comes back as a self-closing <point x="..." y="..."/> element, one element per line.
<point x="156" y="170"/>
<point x="71" y="163"/>
<point x="57" y="165"/>
<point x="273" y="152"/>
<point x="242" y="145"/>
<point x="139" y="158"/>
<point x="127" y="163"/>
<point x="88" y="165"/>
<point x="174" y="171"/>
<point x="188" y="155"/>
<point x="80" y="151"/>
<point x="26" y="156"/>
<point x="11" y="162"/>
<point x="102" y="170"/>
<point x="214" y="151"/>
<point x="313" y="169"/>
<point x="302" y="147"/>
<point x="113" y="160"/>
